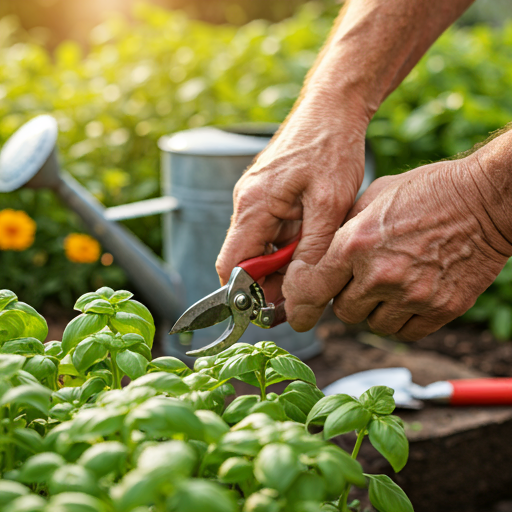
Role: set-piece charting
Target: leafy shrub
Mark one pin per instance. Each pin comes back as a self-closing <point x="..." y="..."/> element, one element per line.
<point x="165" y="73"/>
<point x="73" y="440"/>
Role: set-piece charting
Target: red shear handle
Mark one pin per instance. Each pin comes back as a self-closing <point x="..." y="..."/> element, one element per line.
<point x="497" y="391"/>
<point x="263" y="266"/>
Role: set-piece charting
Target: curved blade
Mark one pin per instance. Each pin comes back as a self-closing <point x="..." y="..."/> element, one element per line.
<point x="211" y="310"/>
<point x="230" y="336"/>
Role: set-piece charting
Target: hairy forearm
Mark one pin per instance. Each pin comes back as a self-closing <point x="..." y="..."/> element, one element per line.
<point x="372" y="47"/>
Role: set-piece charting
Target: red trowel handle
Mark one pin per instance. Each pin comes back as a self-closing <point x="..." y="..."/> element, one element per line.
<point x="492" y="391"/>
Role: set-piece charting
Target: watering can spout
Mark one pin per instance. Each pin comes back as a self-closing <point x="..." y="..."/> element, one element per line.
<point x="29" y="158"/>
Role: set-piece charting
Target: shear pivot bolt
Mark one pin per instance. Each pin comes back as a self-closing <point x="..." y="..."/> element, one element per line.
<point x="266" y="320"/>
<point x="242" y="301"/>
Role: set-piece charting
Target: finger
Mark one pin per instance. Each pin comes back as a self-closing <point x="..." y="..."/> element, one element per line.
<point x="370" y="194"/>
<point x="353" y="305"/>
<point x="388" y="318"/>
<point x="247" y="237"/>
<point x="308" y="288"/>
<point x="417" y="328"/>
<point x="323" y="213"/>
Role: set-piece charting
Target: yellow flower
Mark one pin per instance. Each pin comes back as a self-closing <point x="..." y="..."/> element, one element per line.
<point x="81" y="248"/>
<point x="17" y="230"/>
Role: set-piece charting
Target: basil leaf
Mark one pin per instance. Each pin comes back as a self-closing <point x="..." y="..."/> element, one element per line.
<point x="53" y="348"/>
<point x="169" y="364"/>
<point x="389" y="439"/>
<point x="276" y="466"/>
<point x="127" y="323"/>
<point x="10" y="490"/>
<point x="34" y="395"/>
<point x="348" y="417"/>
<point x="379" y="399"/>
<point x="29" y="439"/>
<point x="195" y="495"/>
<point x="235" y="470"/>
<point x="239" y="408"/>
<point x="76" y="502"/>
<point x="240" y="364"/>
<point x="39" y="468"/>
<point x="120" y="296"/>
<point x="307" y="487"/>
<point x="241" y="442"/>
<point x="162" y="382"/>
<point x="104" y="458"/>
<point x="31" y="503"/>
<point x="89" y="424"/>
<point x="34" y="325"/>
<point x="91" y="387"/>
<point x="6" y="297"/>
<point x="386" y="496"/>
<point x="86" y="299"/>
<point x="73" y="478"/>
<point x="136" y="308"/>
<point x="348" y="467"/>
<point x="99" y="306"/>
<point x="293" y="368"/>
<point x="214" y="426"/>
<point x="40" y="367"/>
<point x="324" y="407"/>
<point x="144" y="351"/>
<point x="131" y="363"/>
<point x="80" y="328"/>
<point x="10" y="364"/>
<point x="87" y="353"/>
<point x="23" y="347"/>
<point x="105" y="292"/>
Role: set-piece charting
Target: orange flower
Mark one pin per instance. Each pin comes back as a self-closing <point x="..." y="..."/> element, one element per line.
<point x="81" y="248"/>
<point x="17" y="230"/>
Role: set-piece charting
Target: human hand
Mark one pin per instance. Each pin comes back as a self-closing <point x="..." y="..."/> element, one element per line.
<point x="308" y="176"/>
<point x="415" y="253"/>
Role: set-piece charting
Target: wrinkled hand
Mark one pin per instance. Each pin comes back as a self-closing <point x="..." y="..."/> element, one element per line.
<point x="308" y="176"/>
<point x="415" y="253"/>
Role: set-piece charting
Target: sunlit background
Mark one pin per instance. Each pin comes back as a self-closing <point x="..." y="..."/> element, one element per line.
<point x="119" y="74"/>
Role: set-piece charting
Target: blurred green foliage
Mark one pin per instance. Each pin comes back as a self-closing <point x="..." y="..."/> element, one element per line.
<point x="165" y="72"/>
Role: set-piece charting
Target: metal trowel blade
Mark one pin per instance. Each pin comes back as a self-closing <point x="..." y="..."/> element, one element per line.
<point x="399" y="379"/>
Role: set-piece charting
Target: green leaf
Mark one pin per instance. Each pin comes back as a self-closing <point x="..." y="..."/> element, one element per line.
<point x="120" y="296"/>
<point x="89" y="424"/>
<point x="201" y="495"/>
<point x="41" y="367"/>
<point x="239" y="408"/>
<point x="298" y="399"/>
<point x="324" y="407"/>
<point x="273" y="409"/>
<point x="379" y="400"/>
<point x="105" y="292"/>
<point x="136" y="308"/>
<point x="241" y="442"/>
<point x="86" y="299"/>
<point x="10" y="490"/>
<point x="386" y="496"/>
<point x="11" y="325"/>
<point x="10" y="364"/>
<point x="76" y="502"/>
<point x="131" y="339"/>
<point x="39" y="468"/>
<point x="104" y="458"/>
<point x="163" y="382"/>
<point x="6" y="297"/>
<point x="197" y="381"/>
<point x="169" y="364"/>
<point x="73" y="478"/>
<point x="235" y="470"/>
<point x="29" y="503"/>
<point x="143" y="350"/>
<point x="276" y="466"/>
<point x="53" y="348"/>
<point x="29" y="438"/>
<point x="293" y="368"/>
<point x="99" y="306"/>
<point x="23" y="347"/>
<point x="66" y="366"/>
<point x="132" y="364"/>
<point x="348" y="417"/>
<point x="333" y="459"/>
<point x="307" y="487"/>
<point x="87" y="353"/>
<point x="389" y="439"/>
<point x="34" y="395"/>
<point x="160" y="415"/>
<point x="214" y="426"/>
<point x="34" y="325"/>
<point x="168" y="460"/>
<point x="80" y="328"/>
<point x="265" y="500"/>
<point x="135" y="489"/>
<point x="240" y="364"/>
<point x="91" y="387"/>
<point x="126" y="323"/>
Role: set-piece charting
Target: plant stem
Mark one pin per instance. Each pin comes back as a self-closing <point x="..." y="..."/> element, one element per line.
<point x="116" y="378"/>
<point x="342" y="504"/>
<point x="262" y="381"/>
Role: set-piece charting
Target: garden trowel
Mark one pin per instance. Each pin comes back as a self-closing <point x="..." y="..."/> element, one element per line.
<point x="480" y="391"/>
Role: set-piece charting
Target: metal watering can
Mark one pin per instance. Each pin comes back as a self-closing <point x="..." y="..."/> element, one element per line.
<point x="199" y="170"/>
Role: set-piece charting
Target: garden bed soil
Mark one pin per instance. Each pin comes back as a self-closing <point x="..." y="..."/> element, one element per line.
<point x="460" y="458"/>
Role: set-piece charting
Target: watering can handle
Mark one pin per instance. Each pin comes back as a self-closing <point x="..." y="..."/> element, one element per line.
<point x="262" y="266"/>
<point x="491" y="391"/>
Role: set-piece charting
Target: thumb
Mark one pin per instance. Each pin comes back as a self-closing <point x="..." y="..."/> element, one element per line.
<point x="309" y="288"/>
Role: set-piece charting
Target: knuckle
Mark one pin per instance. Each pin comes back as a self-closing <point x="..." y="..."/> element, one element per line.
<point x="420" y="293"/>
<point x="346" y="315"/>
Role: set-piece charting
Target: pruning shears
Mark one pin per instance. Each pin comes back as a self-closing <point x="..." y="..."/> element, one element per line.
<point x="242" y="300"/>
